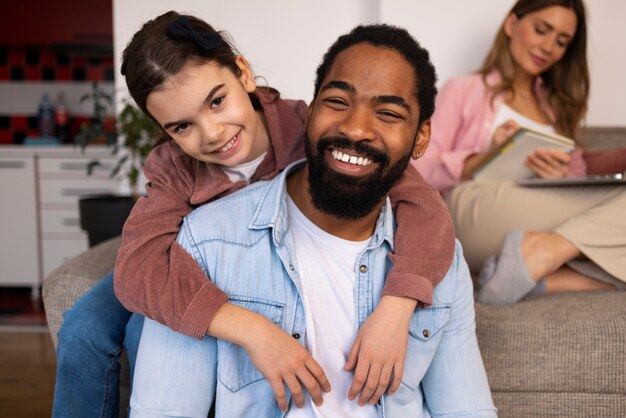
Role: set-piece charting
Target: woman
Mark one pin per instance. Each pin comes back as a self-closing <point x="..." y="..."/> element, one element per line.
<point x="535" y="75"/>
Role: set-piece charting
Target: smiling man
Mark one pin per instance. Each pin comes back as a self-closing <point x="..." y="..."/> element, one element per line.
<point x="308" y="250"/>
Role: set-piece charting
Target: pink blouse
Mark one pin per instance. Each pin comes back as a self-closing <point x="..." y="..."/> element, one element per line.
<point x="461" y="124"/>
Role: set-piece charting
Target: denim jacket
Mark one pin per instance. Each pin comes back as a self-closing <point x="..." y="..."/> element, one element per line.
<point x="243" y="242"/>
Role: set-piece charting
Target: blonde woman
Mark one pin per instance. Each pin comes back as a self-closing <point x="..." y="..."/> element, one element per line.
<point x="523" y="239"/>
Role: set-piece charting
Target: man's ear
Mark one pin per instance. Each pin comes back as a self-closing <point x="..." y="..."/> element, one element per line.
<point x="509" y="24"/>
<point x="247" y="76"/>
<point x="309" y="112"/>
<point x="422" y="140"/>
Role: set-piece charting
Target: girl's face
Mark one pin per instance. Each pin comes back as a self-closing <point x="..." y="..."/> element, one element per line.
<point x="206" y="110"/>
<point x="538" y="40"/>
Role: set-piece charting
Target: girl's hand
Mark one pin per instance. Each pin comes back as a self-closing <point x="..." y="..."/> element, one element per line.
<point x="276" y="354"/>
<point x="504" y="132"/>
<point x="549" y="164"/>
<point x="378" y="352"/>
<point x="283" y="361"/>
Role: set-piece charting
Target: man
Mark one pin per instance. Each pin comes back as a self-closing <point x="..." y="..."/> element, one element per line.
<point x="308" y="250"/>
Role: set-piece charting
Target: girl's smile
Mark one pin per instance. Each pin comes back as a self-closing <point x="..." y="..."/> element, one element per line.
<point x="206" y="110"/>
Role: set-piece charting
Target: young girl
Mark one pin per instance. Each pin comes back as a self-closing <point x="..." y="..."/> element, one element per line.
<point x="225" y="133"/>
<point x="536" y="76"/>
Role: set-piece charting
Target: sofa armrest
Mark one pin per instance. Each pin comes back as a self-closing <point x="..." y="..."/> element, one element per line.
<point x="75" y="277"/>
<point x="556" y="354"/>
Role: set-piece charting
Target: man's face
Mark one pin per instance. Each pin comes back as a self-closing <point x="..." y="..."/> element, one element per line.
<point x="362" y="130"/>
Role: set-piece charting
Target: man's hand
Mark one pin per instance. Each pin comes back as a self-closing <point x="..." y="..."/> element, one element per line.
<point x="379" y="350"/>
<point x="276" y="354"/>
<point x="549" y="164"/>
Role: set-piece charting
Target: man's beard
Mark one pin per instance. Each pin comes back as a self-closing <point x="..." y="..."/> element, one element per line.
<point x="344" y="196"/>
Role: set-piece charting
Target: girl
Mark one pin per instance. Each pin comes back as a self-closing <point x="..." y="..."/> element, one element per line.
<point x="535" y="75"/>
<point x="225" y="132"/>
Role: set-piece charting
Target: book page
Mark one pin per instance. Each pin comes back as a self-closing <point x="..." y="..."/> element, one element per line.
<point x="508" y="162"/>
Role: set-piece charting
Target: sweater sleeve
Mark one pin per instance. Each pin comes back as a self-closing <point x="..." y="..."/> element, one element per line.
<point x="155" y="276"/>
<point x="442" y="164"/>
<point x="423" y="241"/>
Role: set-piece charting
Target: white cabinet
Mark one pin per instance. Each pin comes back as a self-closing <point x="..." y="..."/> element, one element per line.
<point x="39" y="220"/>
<point x="19" y="253"/>
<point x="63" y="180"/>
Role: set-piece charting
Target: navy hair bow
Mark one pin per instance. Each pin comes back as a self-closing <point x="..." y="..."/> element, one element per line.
<point x="181" y="29"/>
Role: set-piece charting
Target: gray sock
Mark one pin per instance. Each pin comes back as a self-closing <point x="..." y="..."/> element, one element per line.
<point x="504" y="279"/>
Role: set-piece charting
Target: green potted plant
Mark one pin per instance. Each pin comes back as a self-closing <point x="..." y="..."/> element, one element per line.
<point x="103" y="216"/>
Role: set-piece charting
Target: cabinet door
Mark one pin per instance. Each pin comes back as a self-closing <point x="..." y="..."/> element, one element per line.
<point x="19" y="256"/>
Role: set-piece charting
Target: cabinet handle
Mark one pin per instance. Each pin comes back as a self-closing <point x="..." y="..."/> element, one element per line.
<point x="71" y="222"/>
<point x="81" y="192"/>
<point x="75" y="166"/>
<point x="12" y="164"/>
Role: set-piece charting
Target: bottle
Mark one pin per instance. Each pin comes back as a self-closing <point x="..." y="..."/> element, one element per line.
<point x="61" y="118"/>
<point x="45" y="116"/>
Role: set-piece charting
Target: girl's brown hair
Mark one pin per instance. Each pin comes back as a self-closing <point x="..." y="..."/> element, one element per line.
<point x="566" y="82"/>
<point x="153" y="55"/>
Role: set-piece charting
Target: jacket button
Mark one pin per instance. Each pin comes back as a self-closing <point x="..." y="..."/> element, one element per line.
<point x="426" y="333"/>
<point x="296" y="335"/>
<point x="363" y="268"/>
<point x="291" y="267"/>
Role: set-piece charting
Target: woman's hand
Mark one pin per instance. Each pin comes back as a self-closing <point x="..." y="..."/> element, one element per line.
<point x="378" y="352"/>
<point x="549" y="164"/>
<point x="504" y="132"/>
<point x="500" y="136"/>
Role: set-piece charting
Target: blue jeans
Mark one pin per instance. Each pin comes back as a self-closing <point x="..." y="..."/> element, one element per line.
<point x="94" y="333"/>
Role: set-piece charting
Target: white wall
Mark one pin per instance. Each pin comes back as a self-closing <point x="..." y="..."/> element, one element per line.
<point x="458" y="34"/>
<point x="285" y="39"/>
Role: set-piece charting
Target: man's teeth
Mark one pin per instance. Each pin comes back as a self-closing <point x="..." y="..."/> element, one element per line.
<point x="228" y="146"/>
<point x="338" y="155"/>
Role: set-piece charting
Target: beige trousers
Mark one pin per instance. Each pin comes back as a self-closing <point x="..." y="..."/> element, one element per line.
<point x="593" y="218"/>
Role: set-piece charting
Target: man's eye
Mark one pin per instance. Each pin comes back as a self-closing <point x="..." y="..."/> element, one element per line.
<point x="334" y="102"/>
<point x="182" y="127"/>
<point x="389" y="115"/>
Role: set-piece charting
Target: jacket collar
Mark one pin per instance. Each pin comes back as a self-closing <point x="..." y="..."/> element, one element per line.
<point x="271" y="211"/>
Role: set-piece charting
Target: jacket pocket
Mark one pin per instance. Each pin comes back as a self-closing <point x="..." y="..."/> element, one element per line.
<point x="425" y="332"/>
<point x="234" y="367"/>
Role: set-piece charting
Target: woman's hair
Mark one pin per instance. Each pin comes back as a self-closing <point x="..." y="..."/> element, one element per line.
<point x="566" y="82"/>
<point x="154" y="54"/>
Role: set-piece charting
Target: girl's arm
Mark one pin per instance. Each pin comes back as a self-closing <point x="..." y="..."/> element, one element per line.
<point x="154" y="276"/>
<point x="157" y="277"/>
<point x="424" y="249"/>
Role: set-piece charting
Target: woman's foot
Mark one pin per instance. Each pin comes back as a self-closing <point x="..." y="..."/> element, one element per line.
<point x="526" y="258"/>
<point x="505" y="278"/>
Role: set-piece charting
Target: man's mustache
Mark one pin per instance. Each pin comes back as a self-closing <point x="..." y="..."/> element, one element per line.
<point x="361" y="147"/>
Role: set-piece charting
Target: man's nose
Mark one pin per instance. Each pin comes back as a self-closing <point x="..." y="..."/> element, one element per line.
<point x="358" y="124"/>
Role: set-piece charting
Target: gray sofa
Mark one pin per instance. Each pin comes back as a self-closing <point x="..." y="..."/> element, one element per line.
<point x="547" y="356"/>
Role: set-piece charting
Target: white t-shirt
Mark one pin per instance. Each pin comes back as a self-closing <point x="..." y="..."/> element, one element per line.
<point x="326" y="265"/>
<point x="505" y="113"/>
<point x="243" y="171"/>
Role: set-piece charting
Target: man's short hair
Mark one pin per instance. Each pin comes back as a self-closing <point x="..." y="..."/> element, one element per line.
<point x="398" y="39"/>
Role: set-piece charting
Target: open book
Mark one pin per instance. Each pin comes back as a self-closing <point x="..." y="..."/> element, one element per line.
<point x="507" y="161"/>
